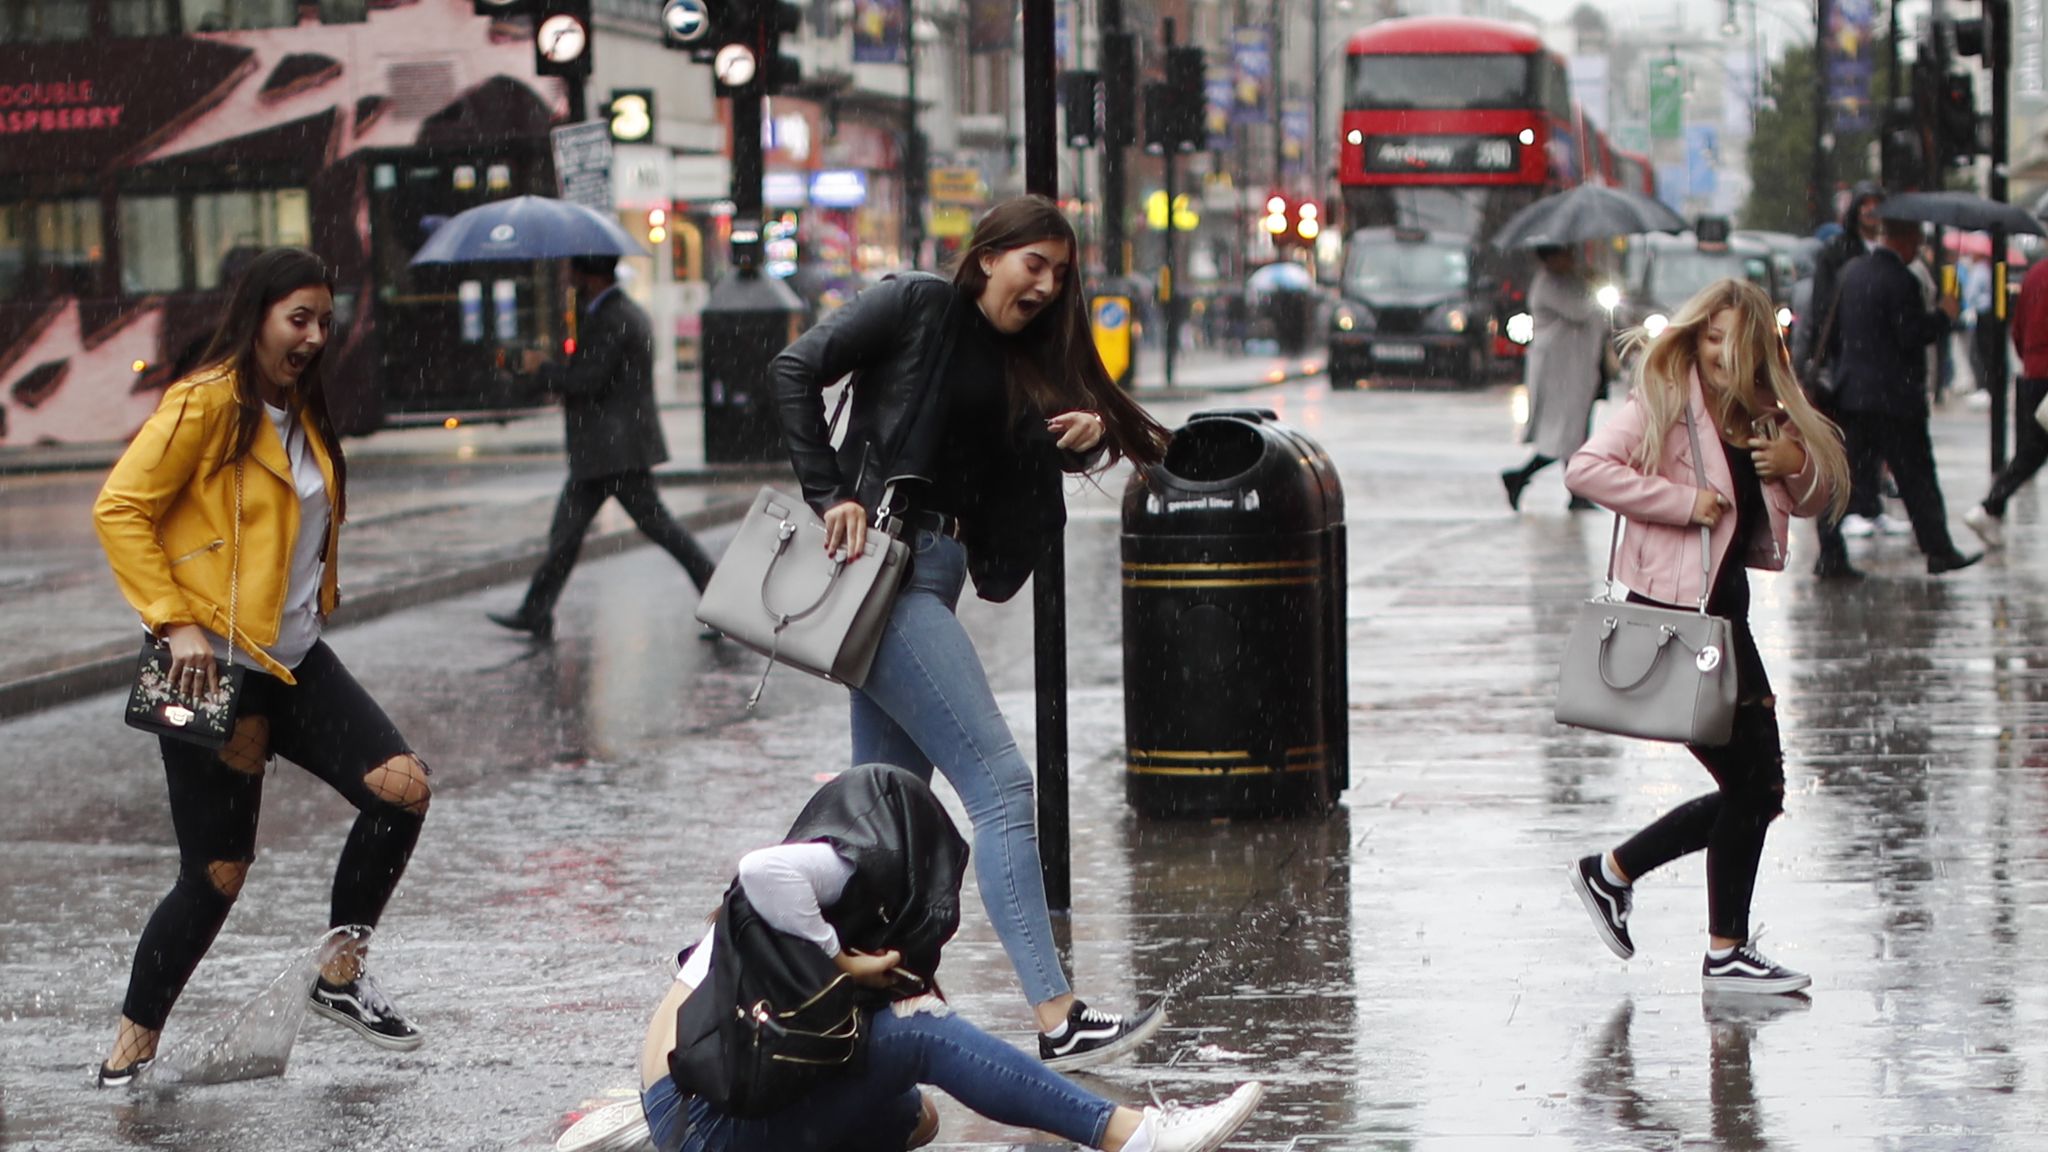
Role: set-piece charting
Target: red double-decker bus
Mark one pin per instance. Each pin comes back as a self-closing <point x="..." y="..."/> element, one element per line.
<point x="1464" y="119"/>
<point x="1452" y="125"/>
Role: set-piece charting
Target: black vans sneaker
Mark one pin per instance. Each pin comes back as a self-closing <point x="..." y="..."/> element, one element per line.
<point x="1608" y="904"/>
<point x="1092" y="1037"/>
<point x="1745" y="969"/>
<point x="110" y="1077"/>
<point x="362" y="1005"/>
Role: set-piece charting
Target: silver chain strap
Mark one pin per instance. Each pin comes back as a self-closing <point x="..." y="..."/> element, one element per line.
<point x="235" y="566"/>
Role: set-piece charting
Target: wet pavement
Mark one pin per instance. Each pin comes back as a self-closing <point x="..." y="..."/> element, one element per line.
<point x="1409" y="972"/>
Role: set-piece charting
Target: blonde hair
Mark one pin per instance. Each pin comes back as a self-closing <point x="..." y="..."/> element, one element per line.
<point x="1759" y="374"/>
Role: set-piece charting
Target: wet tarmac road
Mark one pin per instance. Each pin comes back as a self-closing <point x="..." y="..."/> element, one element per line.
<point x="1410" y="972"/>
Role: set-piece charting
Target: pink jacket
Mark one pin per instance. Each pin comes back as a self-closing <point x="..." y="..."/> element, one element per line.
<point x="1660" y="553"/>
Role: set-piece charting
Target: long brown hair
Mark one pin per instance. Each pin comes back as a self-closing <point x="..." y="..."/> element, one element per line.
<point x="1053" y="364"/>
<point x="1760" y="381"/>
<point x="271" y="276"/>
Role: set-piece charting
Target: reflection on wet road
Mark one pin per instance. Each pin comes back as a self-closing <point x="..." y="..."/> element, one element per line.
<point x="1409" y="973"/>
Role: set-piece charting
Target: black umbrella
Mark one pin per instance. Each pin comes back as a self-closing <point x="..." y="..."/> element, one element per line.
<point x="1965" y="210"/>
<point x="1587" y="212"/>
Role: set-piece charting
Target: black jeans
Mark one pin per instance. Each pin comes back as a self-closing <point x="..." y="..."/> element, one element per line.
<point x="2031" y="448"/>
<point x="578" y="506"/>
<point x="1902" y="444"/>
<point x="1729" y="823"/>
<point x="327" y="724"/>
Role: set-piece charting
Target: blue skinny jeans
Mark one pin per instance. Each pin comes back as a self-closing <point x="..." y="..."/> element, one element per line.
<point x="927" y="702"/>
<point x="877" y="1110"/>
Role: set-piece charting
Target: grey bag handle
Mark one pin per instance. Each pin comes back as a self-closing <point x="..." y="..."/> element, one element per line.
<point x="1706" y="533"/>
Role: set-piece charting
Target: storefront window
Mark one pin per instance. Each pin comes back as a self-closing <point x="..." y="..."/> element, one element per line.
<point x="144" y="17"/>
<point x="240" y="224"/>
<point x="151" y="257"/>
<point x="226" y="15"/>
<point x="52" y="248"/>
<point x="44" y="21"/>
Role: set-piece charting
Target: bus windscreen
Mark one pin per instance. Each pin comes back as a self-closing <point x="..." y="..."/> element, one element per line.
<point x="1450" y="82"/>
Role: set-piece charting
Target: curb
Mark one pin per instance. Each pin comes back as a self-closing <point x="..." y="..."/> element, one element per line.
<point x="109" y="666"/>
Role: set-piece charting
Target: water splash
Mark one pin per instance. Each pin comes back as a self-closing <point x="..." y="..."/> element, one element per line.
<point x="255" y="1040"/>
<point x="1260" y="932"/>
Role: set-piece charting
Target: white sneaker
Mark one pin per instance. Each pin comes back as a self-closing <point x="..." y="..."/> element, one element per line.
<point x="1858" y="527"/>
<point x="1893" y="526"/>
<point x="1990" y="529"/>
<point x="1204" y="1129"/>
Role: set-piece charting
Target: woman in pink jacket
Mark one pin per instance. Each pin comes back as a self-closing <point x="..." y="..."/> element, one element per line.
<point x="1768" y="457"/>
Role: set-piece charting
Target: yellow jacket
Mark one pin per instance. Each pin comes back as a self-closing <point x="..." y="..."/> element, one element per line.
<point x="167" y="519"/>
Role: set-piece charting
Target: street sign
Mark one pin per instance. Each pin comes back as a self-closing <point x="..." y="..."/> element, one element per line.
<point x="583" y="163"/>
<point x="954" y="186"/>
<point x="687" y="21"/>
<point x="1109" y="319"/>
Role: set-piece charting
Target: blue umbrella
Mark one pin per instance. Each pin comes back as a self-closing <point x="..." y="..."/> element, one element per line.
<point x="1281" y="276"/>
<point x="526" y="228"/>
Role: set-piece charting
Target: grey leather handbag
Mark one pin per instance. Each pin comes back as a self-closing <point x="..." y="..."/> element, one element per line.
<point x="1650" y="672"/>
<point x="777" y="591"/>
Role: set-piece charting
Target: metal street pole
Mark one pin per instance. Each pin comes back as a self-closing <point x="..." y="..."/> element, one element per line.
<point x="1817" y="198"/>
<point x="1169" y="276"/>
<point x="913" y="145"/>
<point x="1049" y="579"/>
<point x="1998" y="46"/>
<point x="1117" y="67"/>
<point x="1279" y="98"/>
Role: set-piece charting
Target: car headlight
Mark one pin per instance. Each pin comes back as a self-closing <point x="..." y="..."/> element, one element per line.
<point x="1521" y="327"/>
<point x="1352" y="318"/>
<point x="1454" y="319"/>
<point x="1655" y="323"/>
<point x="1784" y="319"/>
<point x="1608" y="297"/>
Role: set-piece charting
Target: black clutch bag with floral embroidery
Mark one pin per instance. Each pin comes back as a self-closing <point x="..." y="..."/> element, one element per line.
<point x="156" y="705"/>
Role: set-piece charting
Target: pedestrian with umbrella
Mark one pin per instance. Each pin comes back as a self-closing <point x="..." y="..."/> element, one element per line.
<point x="1567" y="342"/>
<point x="606" y="386"/>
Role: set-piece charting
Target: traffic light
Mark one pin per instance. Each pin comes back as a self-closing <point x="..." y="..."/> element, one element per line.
<point x="1187" y="97"/>
<point x="1955" y="118"/>
<point x="743" y="42"/>
<point x="1901" y="159"/>
<point x="1119" y="55"/>
<point x="1306" y="223"/>
<point x="780" y="18"/>
<point x="1275" y="221"/>
<point x="657" y="226"/>
<point x="1081" y="93"/>
<point x="561" y="38"/>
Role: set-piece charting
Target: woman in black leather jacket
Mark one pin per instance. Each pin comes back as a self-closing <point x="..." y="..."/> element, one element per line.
<point x="970" y="398"/>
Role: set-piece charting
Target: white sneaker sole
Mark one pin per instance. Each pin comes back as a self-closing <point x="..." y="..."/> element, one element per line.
<point x="1148" y="1023"/>
<point x="1592" y="903"/>
<point x="388" y="1043"/>
<point x="619" y="1127"/>
<point x="1755" y="985"/>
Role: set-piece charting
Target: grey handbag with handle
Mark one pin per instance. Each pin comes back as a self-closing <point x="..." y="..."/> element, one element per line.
<point x="1649" y="672"/>
<point x="777" y="591"/>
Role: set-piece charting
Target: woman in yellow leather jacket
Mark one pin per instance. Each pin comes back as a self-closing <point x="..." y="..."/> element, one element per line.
<point x="221" y="521"/>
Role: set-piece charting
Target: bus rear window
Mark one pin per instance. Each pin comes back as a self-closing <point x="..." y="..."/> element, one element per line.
<point x="1450" y="82"/>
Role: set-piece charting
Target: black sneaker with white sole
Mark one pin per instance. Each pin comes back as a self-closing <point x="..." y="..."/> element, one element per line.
<point x="1092" y="1037"/>
<point x="1608" y="904"/>
<point x="1746" y="970"/>
<point x="362" y="1005"/>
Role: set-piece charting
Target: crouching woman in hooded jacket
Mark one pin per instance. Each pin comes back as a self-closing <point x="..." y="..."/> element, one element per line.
<point x="865" y="890"/>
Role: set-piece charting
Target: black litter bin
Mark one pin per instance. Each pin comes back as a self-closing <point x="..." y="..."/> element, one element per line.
<point x="1234" y="655"/>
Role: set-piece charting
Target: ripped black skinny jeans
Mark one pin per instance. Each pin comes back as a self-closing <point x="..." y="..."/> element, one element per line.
<point x="1730" y="822"/>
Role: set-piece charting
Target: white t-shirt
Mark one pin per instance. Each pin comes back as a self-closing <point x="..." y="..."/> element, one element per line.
<point x="789" y="885"/>
<point x="300" y="626"/>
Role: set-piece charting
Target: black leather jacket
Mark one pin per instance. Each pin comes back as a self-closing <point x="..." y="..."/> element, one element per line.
<point x="895" y="340"/>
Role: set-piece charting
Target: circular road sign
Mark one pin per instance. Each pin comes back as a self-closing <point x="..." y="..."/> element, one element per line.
<point x="686" y="20"/>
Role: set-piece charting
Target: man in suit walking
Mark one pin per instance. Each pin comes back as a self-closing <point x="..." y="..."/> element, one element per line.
<point x="1882" y="329"/>
<point x="614" y="435"/>
<point x="1861" y="230"/>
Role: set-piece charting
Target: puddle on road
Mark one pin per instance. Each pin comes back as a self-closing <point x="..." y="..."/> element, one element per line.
<point x="255" y="1040"/>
